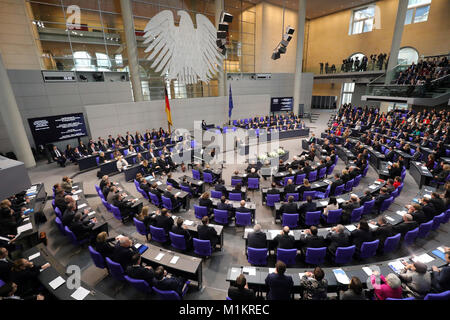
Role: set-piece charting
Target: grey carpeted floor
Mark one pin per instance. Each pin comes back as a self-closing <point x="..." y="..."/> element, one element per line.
<point x="215" y="268"/>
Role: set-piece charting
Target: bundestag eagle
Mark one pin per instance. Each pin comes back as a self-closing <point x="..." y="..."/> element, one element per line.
<point x="183" y="53"/>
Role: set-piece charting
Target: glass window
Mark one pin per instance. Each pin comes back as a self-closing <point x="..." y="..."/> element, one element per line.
<point x="362" y="20"/>
<point x="417" y="11"/>
<point x="347" y="91"/>
<point x="83" y="61"/>
<point x="407" y="56"/>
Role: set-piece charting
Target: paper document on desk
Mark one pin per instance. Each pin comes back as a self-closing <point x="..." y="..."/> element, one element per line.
<point x="77" y="192"/>
<point x="396" y="266"/>
<point x="315" y="185"/>
<point x="34" y="256"/>
<point x="373" y="226"/>
<point x="441" y="249"/>
<point x="24" y="228"/>
<point x="326" y="180"/>
<point x="367" y="270"/>
<point x="401" y="213"/>
<point x="341" y="276"/>
<point x="425" y="258"/>
<point x="188" y="222"/>
<point x="80" y="293"/>
<point x="177" y="194"/>
<point x="56" y="283"/>
<point x="159" y="256"/>
<point x="301" y="274"/>
<point x="350" y="227"/>
<point x="137" y="245"/>
<point x="251" y="271"/>
<point x="75" y="197"/>
<point x="174" y="259"/>
<point x="324" y="203"/>
<point x="428" y="196"/>
<point x="74" y="187"/>
<point x="82" y="205"/>
<point x="274" y="233"/>
<point x="389" y="218"/>
<point x="340" y="200"/>
<point x="271" y="270"/>
<point x="372" y="187"/>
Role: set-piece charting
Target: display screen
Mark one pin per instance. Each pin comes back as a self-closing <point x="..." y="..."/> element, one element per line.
<point x="57" y="128"/>
<point x="281" y="104"/>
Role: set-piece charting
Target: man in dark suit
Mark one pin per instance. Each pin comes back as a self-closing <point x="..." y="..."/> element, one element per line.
<point x="257" y="239"/>
<point x="81" y="229"/>
<point x="361" y="234"/>
<point x="280" y="286"/>
<point x="166" y="283"/>
<point x="58" y="156"/>
<point x="172" y="181"/>
<point x="284" y="240"/>
<point x="241" y="291"/>
<point x="5" y="265"/>
<point x="290" y="187"/>
<point x="308" y="206"/>
<point x="381" y="197"/>
<point x="225" y="205"/>
<point x="408" y="224"/>
<point x="337" y="182"/>
<point x="415" y="210"/>
<point x="220" y="186"/>
<point x="137" y="271"/>
<point x="348" y="207"/>
<point x="60" y="201"/>
<point x="253" y="174"/>
<point x="173" y="198"/>
<point x="383" y="231"/>
<point x="123" y="252"/>
<point x="337" y="238"/>
<point x="69" y="214"/>
<point x="428" y="209"/>
<point x="438" y="203"/>
<point x="312" y="240"/>
<point x="441" y="277"/>
<point x="206" y="232"/>
<point x="289" y="207"/>
<point x="390" y="155"/>
<point x="181" y="229"/>
<point x="164" y="220"/>
<point x="123" y="205"/>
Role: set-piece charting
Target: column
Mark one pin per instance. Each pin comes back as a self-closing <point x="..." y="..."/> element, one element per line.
<point x="221" y="75"/>
<point x="130" y="40"/>
<point x="299" y="59"/>
<point x="397" y="38"/>
<point x="13" y="120"/>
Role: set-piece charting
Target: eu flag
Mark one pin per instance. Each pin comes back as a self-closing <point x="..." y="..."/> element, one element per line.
<point x="230" y="103"/>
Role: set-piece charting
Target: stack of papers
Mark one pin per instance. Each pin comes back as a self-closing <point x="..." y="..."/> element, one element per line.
<point x="401" y="213"/>
<point x="350" y="227"/>
<point x="324" y="203"/>
<point x="77" y="192"/>
<point x="373" y="226"/>
<point x="54" y="284"/>
<point x="91" y="213"/>
<point x="249" y="270"/>
<point x="34" y="256"/>
<point x="80" y="293"/>
<point x="372" y="187"/>
<point x="24" y="228"/>
<point x="159" y="256"/>
<point x="188" y="222"/>
<point x="174" y="259"/>
<point x="425" y="258"/>
<point x="82" y="205"/>
<point x="367" y="270"/>
<point x="75" y="197"/>
<point x="341" y="276"/>
<point x="271" y="270"/>
<point x="389" y="218"/>
<point x="396" y="266"/>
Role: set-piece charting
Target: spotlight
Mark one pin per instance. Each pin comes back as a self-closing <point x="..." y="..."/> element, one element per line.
<point x="226" y="17"/>
<point x="282" y="50"/>
<point x="223" y="27"/>
<point x="221" y="35"/>
<point x="222" y="31"/>
<point x="290" y="30"/>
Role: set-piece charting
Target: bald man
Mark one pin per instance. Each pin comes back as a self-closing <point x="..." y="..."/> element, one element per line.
<point x="123" y="252"/>
<point x="284" y="240"/>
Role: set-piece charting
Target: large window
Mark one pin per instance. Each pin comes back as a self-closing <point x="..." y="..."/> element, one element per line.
<point x="347" y="92"/>
<point x="417" y="11"/>
<point x="362" y="20"/>
<point x="407" y="56"/>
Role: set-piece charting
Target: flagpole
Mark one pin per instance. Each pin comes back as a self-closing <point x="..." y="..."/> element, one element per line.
<point x="168" y="124"/>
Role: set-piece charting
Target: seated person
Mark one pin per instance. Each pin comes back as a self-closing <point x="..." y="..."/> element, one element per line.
<point x="173" y="198"/>
<point x="308" y="206"/>
<point x="415" y="210"/>
<point x="348" y="207"/>
<point x="137" y="271"/>
<point x="241" y="291"/>
<point x="337" y="238"/>
<point x="354" y="292"/>
<point x="441" y="277"/>
<point x="361" y="234"/>
<point x="280" y="286"/>
<point x="332" y="205"/>
<point x="314" y="285"/>
<point x="9" y="292"/>
<point x="220" y="186"/>
<point x="284" y="240"/>
<point x="408" y="224"/>
<point x="164" y="281"/>
<point x="81" y="229"/>
<point x="257" y="238"/>
<point x="306" y="186"/>
<point x="206" y="232"/>
<point x="416" y="280"/>
<point x="242" y="208"/>
<point x="25" y="274"/>
<point x="253" y="174"/>
<point x="381" y="197"/>
<point x="224" y="204"/>
<point x="123" y="252"/>
<point x="337" y="182"/>
<point x="367" y="197"/>
<point x="172" y="181"/>
<point x="103" y="245"/>
<point x="205" y="201"/>
<point x="123" y="205"/>
<point x="145" y="217"/>
<point x="121" y="163"/>
<point x="383" y="231"/>
<point x="289" y="207"/>
<point x="312" y="240"/>
<point x="290" y="187"/>
<point x="390" y="185"/>
<point x="164" y="220"/>
<point x="181" y="229"/>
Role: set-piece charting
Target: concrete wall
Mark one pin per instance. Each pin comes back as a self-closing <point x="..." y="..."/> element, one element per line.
<point x="121" y="117"/>
<point x="36" y="98"/>
<point x="360" y="90"/>
<point x="17" y="45"/>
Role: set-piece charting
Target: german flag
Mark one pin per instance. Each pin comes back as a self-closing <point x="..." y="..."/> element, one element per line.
<point x="169" y="115"/>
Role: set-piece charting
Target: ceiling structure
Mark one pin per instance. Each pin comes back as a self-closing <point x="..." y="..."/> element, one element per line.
<point x="318" y="8"/>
